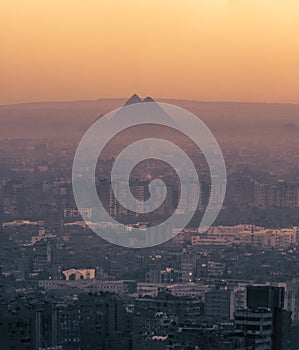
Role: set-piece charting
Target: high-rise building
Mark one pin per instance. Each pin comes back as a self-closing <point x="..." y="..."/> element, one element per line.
<point x="256" y="327"/>
<point x="265" y="322"/>
<point x="97" y="322"/>
<point x="188" y="265"/>
<point x="218" y="304"/>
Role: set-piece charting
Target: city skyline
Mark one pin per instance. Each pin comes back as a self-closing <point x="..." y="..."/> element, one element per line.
<point x="149" y="175"/>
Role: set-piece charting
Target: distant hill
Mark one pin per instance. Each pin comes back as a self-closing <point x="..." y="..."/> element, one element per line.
<point x="231" y="122"/>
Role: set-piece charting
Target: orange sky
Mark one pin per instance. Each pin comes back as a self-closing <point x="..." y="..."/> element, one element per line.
<point x="238" y="50"/>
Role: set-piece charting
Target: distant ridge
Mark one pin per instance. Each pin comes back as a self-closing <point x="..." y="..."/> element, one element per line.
<point x="69" y="119"/>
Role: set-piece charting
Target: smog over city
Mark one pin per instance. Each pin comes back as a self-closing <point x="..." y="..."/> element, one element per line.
<point x="149" y="175"/>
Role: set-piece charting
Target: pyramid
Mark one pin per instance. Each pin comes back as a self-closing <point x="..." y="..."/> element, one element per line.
<point x="153" y="110"/>
<point x="133" y="99"/>
<point x="148" y="99"/>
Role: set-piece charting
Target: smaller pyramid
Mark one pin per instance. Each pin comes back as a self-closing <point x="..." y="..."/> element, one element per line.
<point x="133" y="99"/>
<point x="148" y="99"/>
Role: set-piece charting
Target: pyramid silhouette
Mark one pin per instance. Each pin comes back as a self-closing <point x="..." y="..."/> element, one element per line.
<point x="153" y="110"/>
<point x="133" y="99"/>
<point x="136" y="99"/>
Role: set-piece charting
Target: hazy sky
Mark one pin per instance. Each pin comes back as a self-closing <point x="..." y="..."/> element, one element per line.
<point x="238" y="50"/>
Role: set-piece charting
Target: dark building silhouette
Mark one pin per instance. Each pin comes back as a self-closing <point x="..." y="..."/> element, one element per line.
<point x="28" y="326"/>
<point x="94" y="322"/>
<point x="265" y="297"/>
<point x="217" y="305"/>
<point x="264" y="323"/>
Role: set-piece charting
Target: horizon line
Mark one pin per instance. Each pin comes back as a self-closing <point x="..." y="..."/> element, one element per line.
<point x="156" y="99"/>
